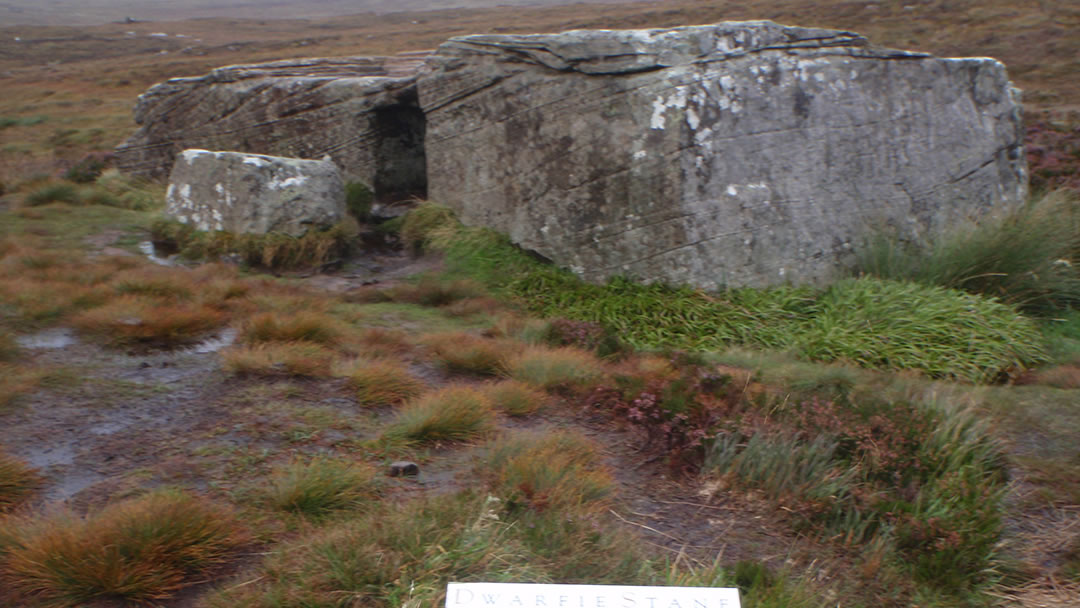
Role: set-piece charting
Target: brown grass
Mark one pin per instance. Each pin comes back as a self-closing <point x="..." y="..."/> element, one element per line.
<point x="279" y="359"/>
<point x="379" y="342"/>
<point x="382" y="381"/>
<point x="17" y="380"/>
<point x="132" y="320"/>
<point x="468" y="353"/>
<point x="17" y="481"/>
<point x="301" y="326"/>
<point x="471" y="307"/>
<point x="515" y="398"/>
<point x="142" y="549"/>
<point x="43" y="302"/>
<point x="435" y="291"/>
<point x="554" y="470"/>
<point x="9" y="348"/>
<point x="1062" y="376"/>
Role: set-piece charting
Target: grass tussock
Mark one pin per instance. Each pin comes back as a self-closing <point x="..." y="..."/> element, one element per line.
<point x="403" y="555"/>
<point x="279" y="359"/>
<point x="515" y="398"/>
<point x="434" y="291"/>
<point x="380" y="342"/>
<point x="274" y="251"/>
<point x="557" y="470"/>
<point x="17" y="482"/>
<point x="382" y="381"/>
<point x="921" y="481"/>
<point x="546" y="367"/>
<point x="319" y="486"/>
<point x="944" y="333"/>
<point x="48" y="301"/>
<point x="389" y="557"/>
<point x="17" y="380"/>
<point x="421" y="226"/>
<point x="1029" y="258"/>
<point x="453" y="413"/>
<point x="110" y="189"/>
<point x="142" y="550"/>
<point x="9" y="348"/>
<point x="135" y="321"/>
<point x="313" y="327"/>
<point x="463" y="352"/>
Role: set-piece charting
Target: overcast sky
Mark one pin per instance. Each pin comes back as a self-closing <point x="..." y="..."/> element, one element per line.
<point x="86" y="12"/>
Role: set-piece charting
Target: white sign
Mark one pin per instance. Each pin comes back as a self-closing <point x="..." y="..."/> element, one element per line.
<point x="522" y="595"/>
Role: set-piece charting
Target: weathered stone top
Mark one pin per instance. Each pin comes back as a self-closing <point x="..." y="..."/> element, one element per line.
<point x="374" y="73"/>
<point x="629" y="51"/>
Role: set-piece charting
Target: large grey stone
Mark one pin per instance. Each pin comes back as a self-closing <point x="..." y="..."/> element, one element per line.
<point x="721" y="155"/>
<point x="361" y="111"/>
<point x="254" y="193"/>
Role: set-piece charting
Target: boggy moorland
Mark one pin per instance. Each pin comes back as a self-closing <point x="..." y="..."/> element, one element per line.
<point x="216" y="428"/>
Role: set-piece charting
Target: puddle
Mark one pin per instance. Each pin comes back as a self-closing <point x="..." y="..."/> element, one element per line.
<point x="147" y="248"/>
<point x="43" y="458"/>
<point x="218" y="342"/>
<point x="108" y="428"/>
<point x="71" y="483"/>
<point x="50" y="338"/>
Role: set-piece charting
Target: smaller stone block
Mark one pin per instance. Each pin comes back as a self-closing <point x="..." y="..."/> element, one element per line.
<point x="254" y="193"/>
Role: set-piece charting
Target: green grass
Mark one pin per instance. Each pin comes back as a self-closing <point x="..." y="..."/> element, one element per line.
<point x="874" y="323"/>
<point x="943" y="333"/>
<point x="319" y="486"/>
<point x="390" y="557"/>
<point x="143" y="550"/>
<point x="53" y="193"/>
<point x="1029" y="258"/>
<point x="453" y="413"/>
<point x="923" y="481"/>
<point x="65" y="228"/>
<point x="28" y="121"/>
<point x="358" y="199"/>
<point x="110" y="190"/>
<point x="546" y="367"/>
<point x="1062" y="333"/>
<point x="421" y="225"/>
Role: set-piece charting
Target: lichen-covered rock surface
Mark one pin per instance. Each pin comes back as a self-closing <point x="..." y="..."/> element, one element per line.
<point x="303" y="108"/>
<point x="254" y="193"/>
<point x="742" y="153"/>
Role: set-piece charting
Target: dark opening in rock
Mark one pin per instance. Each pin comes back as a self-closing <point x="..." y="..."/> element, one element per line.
<point x="401" y="166"/>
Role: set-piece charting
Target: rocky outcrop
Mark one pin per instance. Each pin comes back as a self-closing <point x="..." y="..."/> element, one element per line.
<point x="721" y="155"/>
<point x="253" y="193"/>
<point x="359" y="111"/>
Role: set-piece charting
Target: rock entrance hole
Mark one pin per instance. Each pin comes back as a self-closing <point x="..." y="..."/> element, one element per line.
<point x="400" y="161"/>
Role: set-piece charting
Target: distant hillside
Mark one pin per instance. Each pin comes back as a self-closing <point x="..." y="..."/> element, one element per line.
<point x="93" y="12"/>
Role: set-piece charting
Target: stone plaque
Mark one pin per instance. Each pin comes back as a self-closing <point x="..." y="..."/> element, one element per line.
<point x="522" y="595"/>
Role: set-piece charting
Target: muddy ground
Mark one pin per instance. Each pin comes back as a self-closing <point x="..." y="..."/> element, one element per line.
<point x="110" y="423"/>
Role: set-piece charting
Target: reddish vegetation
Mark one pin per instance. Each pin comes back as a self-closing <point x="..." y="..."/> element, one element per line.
<point x="1053" y="152"/>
